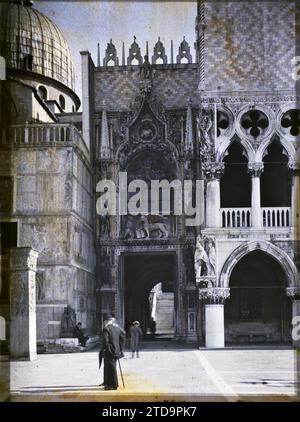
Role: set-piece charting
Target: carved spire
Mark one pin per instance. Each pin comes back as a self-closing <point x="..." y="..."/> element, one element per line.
<point x="134" y="53"/>
<point x="98" y="55"/>
<point x="184" y="52"/>
<point x="172" y="52"/>
<point x="123" y="54"/>
<point x="159" y="52"/>
<point x="111" y="54"/>
<point x="189" y="130"/>
<point x="147" y="49"/>
<point x="104" y="142"/>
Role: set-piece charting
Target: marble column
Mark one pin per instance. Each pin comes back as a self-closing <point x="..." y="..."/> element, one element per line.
<point x="212" y="172"/>
<point x="294" y="294"/>
<point x="295" y="200"/>
<point x="22" y="263"/>
<point x="214" y="299"/>
<point x="255" y="170"/>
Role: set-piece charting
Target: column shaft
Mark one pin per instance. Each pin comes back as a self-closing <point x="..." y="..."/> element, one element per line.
<point x="255" y="202"/>
<point x="213" y="202"/>
<point x="214" y="326"/>
<point x="23" y="302"/>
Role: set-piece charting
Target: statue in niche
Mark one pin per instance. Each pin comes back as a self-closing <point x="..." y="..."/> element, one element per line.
<point x="204" y="125"/>
<point x="205" y="257"/>
<point x="129" y="228"/>
<point x="201" y="260"/>
<point x="105" y="226"/>
<point x="40" y="288"/>
<point x="211" y="251"/>
<point x="146" y="77"/>
<point x="68" y="322"/>
<point x="146" y="69"/>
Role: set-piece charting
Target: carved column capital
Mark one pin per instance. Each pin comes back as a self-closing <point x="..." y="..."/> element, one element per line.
<point x="293" y="292"/>
<point x="255" y="169"/>
<point x="294" y="168"/>
<point x="23" y="258"/>
<point x="215" y="295"/>
<point x="212" y="170"/>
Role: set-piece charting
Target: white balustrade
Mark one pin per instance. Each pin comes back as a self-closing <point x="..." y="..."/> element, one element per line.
<point x="276" y="216"/>
<point x="236" y="217"/>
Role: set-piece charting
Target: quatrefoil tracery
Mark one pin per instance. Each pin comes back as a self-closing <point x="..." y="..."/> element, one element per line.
<point x="254" y="122"/>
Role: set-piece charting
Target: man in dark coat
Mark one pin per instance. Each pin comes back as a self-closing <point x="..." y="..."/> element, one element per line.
<point x="113" y="338"/>
<point x="136" y="335"/>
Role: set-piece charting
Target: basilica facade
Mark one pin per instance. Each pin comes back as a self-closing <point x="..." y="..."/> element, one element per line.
<point x="228" y="121"/>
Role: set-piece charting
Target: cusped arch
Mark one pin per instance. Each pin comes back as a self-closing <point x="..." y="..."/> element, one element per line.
<point x="245" y="144"/>
<point x="287" y="145"/>
<point x="126" y="154"/>
<point x="276" y="253"/>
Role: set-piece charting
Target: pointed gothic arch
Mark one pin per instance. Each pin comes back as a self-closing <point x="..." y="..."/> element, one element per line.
<point x="269" y="248"/>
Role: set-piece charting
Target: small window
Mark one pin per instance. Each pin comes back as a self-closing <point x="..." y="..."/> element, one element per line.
<point x="28" y="62"/>
<point x="43" y="93"/>
<point x="62" y="102"/>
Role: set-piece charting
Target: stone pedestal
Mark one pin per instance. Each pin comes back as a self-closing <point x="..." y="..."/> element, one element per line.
<point x="255" y="170"/>
<point x="214" y="299"/>
<point x="23" y="302"/>
<point x="214" y="326"/>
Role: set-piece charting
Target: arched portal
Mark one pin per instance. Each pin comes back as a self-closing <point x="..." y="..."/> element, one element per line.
<point x="142" y="272"/>
<point x="258" y="310"/>
<point x="275" y="173"/>
<point x="235" y="183"/>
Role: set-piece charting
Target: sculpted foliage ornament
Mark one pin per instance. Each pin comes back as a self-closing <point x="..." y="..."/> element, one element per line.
<point x="216" y="295"/>
<point x="204" y="126"/>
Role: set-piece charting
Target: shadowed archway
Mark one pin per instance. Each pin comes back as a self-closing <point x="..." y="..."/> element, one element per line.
<point x="141" y="273"/>
<point x="258" y="310"/>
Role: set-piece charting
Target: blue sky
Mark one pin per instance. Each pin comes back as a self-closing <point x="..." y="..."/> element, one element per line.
<point x="85" y="23"/>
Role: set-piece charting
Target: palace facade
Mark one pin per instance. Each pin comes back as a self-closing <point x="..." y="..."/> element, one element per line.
<point x="230" y="119"/>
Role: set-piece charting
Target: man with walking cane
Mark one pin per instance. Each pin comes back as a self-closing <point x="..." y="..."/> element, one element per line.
<point x="113" y="338"/>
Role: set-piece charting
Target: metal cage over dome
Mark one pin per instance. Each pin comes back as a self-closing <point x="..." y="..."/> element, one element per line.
<point x="30" y="41"/>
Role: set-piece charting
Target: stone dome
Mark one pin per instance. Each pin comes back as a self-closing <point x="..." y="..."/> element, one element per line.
<point x="30" y="41"/>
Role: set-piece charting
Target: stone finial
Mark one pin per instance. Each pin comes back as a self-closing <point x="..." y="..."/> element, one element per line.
<point x="189" y="131"/>
<point x="111" y="55"/>
<point x="134" y="53"/>
<point x="98" y="55"/>
<point x="104" y="141"/>
<point x="172" y="52"/>
<point x="184" y="52"/>
<point x="123" y="54"/>
<point x="159" y="52"/>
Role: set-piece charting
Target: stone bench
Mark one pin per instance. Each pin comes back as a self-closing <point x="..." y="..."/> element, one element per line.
<point x="253" y="331"/>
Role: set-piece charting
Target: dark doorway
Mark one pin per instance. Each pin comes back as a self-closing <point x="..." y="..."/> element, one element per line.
<point x="236" y="183"/>
<point x="258" y="310"/>
<point x="142" y="272"/>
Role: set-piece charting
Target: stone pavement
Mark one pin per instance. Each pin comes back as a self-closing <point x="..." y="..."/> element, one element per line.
<point x="163" y="372"/>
